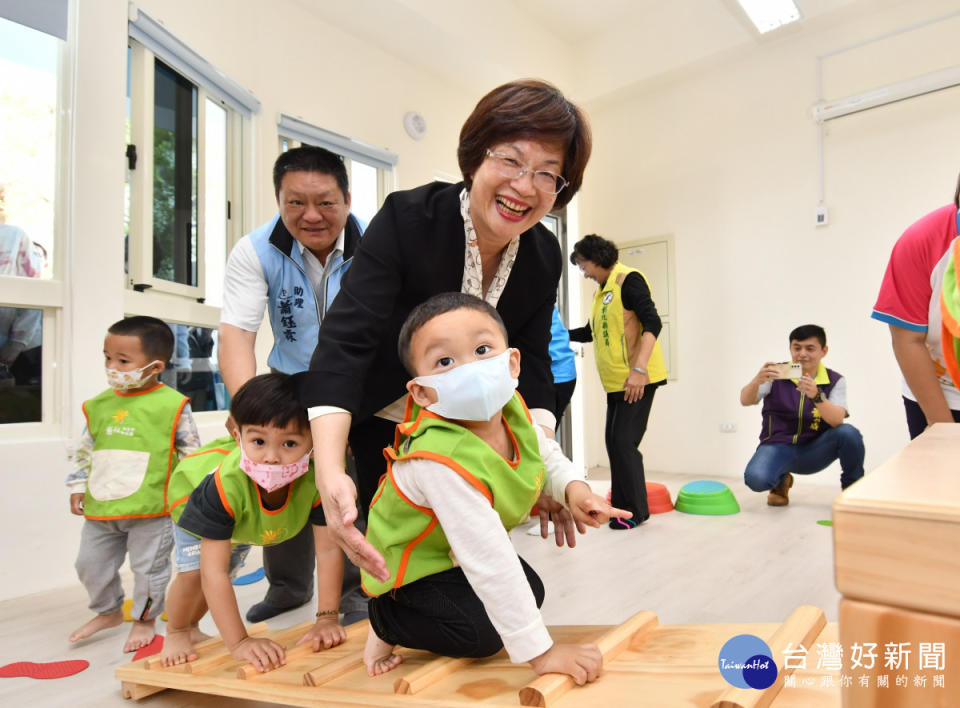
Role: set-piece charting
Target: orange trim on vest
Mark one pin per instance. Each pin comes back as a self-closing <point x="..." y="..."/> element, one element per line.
<point x="283" y="506"/>
<point x="133" y="516"/>
<point x="173" y="449"/>
<point x="178" y="502"/>
<point x="459" y="469"/>
<point x="223" y="494"/>
<point x="204" y="452"/>
<point x="949" y="355"/>
<point x="405" y="558"/>
<point x="140" y="393"/>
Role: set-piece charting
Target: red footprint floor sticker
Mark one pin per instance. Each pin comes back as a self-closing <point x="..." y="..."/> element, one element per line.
<point x="48" y="670"/>
<point x="152" y="648"/>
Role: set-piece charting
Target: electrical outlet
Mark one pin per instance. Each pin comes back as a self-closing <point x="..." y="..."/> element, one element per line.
<point x="728" y="427"/>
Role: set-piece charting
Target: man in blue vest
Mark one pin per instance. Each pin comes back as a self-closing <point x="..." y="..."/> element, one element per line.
<point x="292" y="267"/>
<point x="803" y="430"/>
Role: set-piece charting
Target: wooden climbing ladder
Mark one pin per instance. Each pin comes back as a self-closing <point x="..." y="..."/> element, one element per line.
<point x="665" y="665"/>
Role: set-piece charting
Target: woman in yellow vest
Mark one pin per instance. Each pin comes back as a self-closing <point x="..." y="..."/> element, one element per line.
<point x="623" y="327"/>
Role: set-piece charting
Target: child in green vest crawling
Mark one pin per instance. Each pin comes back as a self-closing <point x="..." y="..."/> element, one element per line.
<point x="467" y="466"/>
<point x="134" y="432"/>
<point x="254" y="489"/>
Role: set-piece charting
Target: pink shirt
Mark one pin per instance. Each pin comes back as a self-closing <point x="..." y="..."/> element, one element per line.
<point x="910" y="293"/>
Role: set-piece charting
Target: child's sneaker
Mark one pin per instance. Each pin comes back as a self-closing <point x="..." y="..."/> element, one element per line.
<point x="619" y="524"/>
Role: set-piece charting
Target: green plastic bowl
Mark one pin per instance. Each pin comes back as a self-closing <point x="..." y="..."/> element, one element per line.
<point x="708" y="498"/>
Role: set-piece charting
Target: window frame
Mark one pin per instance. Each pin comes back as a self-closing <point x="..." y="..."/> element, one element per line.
<point x="49" y="296"/>
<point x="141" y="266"/>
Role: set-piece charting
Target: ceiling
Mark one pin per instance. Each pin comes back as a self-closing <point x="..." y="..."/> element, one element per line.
<point x="591" y="48"/>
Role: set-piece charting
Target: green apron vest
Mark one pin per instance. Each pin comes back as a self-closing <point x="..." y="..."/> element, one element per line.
<point x="409" y="536"/>
<point x="616" y="334"/>
<point x="253" y="524"/>
<point x="134" y="451"/>
<point x="193" y="469"/>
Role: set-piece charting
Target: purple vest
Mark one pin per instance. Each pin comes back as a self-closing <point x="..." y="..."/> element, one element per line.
<point x="789" y="416"/>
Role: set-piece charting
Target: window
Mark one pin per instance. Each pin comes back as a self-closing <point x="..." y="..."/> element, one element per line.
<point x="193" y="369"/>
<point x="369" y="168"/>
<point x="186" y="123"/>
<point x="32" y="56"/>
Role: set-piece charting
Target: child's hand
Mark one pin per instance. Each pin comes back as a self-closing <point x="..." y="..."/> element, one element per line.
<point x="581" y="662"/>
<point x="326" y="633"/>
<point x="264" y="654"/>
<point x="76" y="503"/>
<point x="589" y="508"/>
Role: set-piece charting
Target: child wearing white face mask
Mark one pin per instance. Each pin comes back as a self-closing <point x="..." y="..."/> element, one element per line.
<point x="256" y="488"/>
<point x="467" y="467"/>
<point x="135" y="430"/>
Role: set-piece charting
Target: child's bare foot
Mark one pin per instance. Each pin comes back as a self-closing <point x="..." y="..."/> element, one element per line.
<point x="196" y="636"/>
<point x="178" y="646"/>
<point x="141" y="634"/>
<point x="378" y="655"/>
<point x="111" y="619"/>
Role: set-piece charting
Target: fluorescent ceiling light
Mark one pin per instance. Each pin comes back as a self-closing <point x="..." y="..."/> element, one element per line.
<point x="767" y="15"/>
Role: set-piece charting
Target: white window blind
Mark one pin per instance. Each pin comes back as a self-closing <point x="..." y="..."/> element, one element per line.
<point x="180" y="57"/>
<point x="297" y="129"/>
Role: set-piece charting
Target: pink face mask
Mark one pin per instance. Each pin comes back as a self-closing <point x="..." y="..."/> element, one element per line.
<point x="272" y="477"/>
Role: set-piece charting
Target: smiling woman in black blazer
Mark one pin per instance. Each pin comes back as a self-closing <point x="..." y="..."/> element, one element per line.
<point x="522" y="152"/>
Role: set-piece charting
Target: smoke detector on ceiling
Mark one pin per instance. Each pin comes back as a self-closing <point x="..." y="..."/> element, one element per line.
<point x="415" y="125"/>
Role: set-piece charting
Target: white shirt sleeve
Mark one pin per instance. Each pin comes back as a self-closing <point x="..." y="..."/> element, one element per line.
<point x="560" y="470"/>
<point x="483" y="550"/>
<point x="763" y="390"/>
<point x="838" y="395"/>
<point x="244" y="288"/>
<point x="541" y="416"/>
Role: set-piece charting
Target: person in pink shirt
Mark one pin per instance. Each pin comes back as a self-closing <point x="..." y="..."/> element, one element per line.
<point x="909" y="302"/>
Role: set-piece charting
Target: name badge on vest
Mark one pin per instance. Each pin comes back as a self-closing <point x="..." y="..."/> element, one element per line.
<point x="607" y="298"/>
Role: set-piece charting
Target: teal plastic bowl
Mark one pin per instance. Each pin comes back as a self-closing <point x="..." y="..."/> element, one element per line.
<point x="708" y="498"/>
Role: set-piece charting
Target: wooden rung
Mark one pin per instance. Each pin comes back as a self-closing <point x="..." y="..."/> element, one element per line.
<point x="803" y="626"/>
<point x="219" y="654"/>
<point x="295" y="651"/>
<point x="428" y="674"/>
<point x="136" y="691"/>
<point x="548" y="688"/>
<point x="332" y="670"/>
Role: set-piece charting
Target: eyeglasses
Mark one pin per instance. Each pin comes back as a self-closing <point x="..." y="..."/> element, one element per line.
<point x="543" y="180"/>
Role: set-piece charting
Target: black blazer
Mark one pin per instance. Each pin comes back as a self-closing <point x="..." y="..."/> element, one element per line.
<point x="412" y="249"/>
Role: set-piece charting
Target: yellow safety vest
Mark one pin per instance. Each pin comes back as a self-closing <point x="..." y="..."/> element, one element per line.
<point x="616" y="334"/>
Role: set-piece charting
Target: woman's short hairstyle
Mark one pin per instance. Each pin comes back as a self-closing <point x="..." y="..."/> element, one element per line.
<point x="595" y="249"/>
<point x="533" y="110"/>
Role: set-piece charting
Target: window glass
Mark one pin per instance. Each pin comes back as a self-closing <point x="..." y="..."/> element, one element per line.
<point x="21" y="358"/>
<point x="28" y="129"/>
<point x="215" y="201"/>
<point x="363" y="190"/>
<point x="174" y="177"/>
<point x="193" y="370"/>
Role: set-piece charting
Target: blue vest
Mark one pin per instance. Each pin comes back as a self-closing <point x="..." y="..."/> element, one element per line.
<point x="562" y="363"/>
<point x="789" y="416"/>
<point x="295" y="313"/>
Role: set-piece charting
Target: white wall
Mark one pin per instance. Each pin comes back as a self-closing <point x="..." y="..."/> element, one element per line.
<point x="295" y="64"/>
<point x="726" y="160"/>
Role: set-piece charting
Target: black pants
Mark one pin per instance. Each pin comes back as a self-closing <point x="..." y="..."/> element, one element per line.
<point x="367" y="440"/>
<point x="441" y="613"/>
<point x="626" y="424"/>
<point x="289" y="569"/>
<point x="562" y="393"/>
<point x="916" y="420"/>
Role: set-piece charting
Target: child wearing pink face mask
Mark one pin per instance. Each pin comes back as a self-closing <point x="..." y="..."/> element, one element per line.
<point x="134" y="433"/>
<point x="256" y="488"/>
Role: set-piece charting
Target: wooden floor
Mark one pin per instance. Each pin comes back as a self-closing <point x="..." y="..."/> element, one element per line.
<point x="751" y="567"/>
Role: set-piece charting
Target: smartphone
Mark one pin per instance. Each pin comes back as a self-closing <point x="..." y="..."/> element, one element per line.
<point x="789" y="370"/>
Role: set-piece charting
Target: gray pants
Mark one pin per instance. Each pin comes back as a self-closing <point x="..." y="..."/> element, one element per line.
<point x="103" y="545"/>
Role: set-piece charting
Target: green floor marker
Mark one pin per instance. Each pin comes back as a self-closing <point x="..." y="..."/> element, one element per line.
<point x="825" y="522"/>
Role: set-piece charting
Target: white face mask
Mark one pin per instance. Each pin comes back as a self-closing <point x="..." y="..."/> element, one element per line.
<point x="125" y="380"/>
<point x="272" y="477"/>
<point x="474" y="391"/>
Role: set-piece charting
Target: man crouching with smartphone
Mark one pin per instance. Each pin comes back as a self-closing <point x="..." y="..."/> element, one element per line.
<point x="803" y="411"/>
